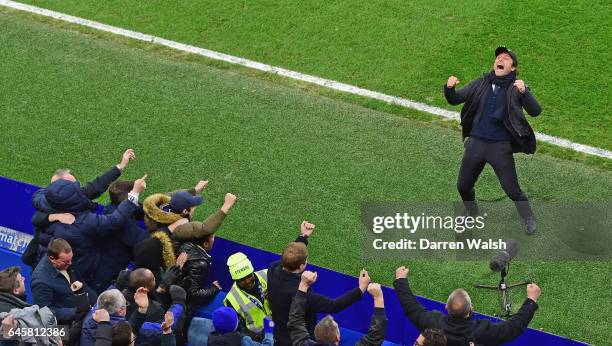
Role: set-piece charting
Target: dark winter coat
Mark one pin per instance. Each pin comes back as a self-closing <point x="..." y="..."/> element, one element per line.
<point x="195" y="274"/>
<point x="301" y="337"/>
<point x="458" y="330"/>
<point x="282" y="287"/>
<point x="92" y="190"/>
<point x="50" y="288"/>
<point x="90" y="327"/>
<point x="474" y="96"/>
<point x="84" y="234"/>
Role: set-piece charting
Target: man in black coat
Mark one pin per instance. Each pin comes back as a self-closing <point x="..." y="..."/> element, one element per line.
<point x="284" y="277"/>
<point x="492" y="117"/>
<point x="327" y="331"/>
<point x="459" y="326"/>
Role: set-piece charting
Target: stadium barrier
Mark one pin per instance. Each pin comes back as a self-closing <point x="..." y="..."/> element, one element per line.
<point x="16" y="231"/>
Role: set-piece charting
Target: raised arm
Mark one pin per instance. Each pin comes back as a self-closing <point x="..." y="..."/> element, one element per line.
<point x="418" y="315"/>
<point x="296" y="324"/>
<point x="322" y="304"/>
<point x="515" y="326"/>
<point x="455" y="97"/>
<point x="99" y="185"/>
<point x="378" y="325"/>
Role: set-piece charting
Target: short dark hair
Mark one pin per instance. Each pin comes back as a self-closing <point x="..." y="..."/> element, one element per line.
<point x="118" y="190"/>
<point x="8" y="279"/>
<point x="122" y="334"/>
<point x="294" y="255"/>
<point x="142" y="277"/>
<point x="58" y="246"/>
<point x="434" y="337"/>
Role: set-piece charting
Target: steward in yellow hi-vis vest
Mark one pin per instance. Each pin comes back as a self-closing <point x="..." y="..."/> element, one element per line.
<point x="248" y="295"/>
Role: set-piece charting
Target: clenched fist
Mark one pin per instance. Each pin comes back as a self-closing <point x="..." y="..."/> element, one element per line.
<point x="520" y="85"/>
<point x="401" y="273"/>
<point x="306" y="228"/>
<point x="452" y="82"/>
<point x="533" y="292"/>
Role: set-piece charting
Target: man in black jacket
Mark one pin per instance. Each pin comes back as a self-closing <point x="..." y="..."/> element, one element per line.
<point x="327" y="331"/>
<point x="492" y="117"/>
<point x="458" y="325"/>
<point x="284" y="277"/>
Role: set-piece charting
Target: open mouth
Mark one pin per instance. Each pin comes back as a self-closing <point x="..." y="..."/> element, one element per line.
<point x="499" y="66"/>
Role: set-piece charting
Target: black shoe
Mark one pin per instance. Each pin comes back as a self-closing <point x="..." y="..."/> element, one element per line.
<point x="530" y="225"/>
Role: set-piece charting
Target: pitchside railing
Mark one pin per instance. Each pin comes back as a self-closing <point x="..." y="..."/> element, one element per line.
<point x="16" y="231"/>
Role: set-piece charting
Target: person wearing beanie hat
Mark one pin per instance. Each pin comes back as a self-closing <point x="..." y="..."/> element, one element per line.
<point x="226" y="332"/>
<point x="493" y="122"/>
<point x="248" y="295"/>
<point x="12" y="290"/>
<point x="157" y="252"/>
<point x="197" y="238"/>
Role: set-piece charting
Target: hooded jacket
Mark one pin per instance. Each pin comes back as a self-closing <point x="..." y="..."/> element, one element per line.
<point x="88" y="228"/>
<point x="92" y="190"/>
<point x="474" y="96"/>
<point x="158" y="250"/>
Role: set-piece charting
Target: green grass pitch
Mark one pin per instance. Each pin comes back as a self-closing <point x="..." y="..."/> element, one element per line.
<point x="77" y="99"/>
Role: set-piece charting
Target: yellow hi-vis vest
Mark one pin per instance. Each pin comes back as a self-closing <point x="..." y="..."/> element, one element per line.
<point x="253" y="314"/>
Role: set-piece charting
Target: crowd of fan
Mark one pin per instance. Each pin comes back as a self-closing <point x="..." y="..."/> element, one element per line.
<point x="79" y="258"/>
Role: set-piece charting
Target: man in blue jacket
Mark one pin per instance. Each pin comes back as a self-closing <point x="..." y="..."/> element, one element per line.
<point x="55" y="282"/>
<point x="85" y="233"/>
<point x="45" y="215"/>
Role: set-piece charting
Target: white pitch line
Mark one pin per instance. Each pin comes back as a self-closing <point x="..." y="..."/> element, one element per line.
<point x="351" y="89"/>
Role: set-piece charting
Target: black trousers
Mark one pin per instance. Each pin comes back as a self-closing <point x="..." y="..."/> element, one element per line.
<point x="499" y="155"/>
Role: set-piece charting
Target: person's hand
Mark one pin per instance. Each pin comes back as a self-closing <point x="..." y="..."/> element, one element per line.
<point x="8" y="323"/>
<point x="401" y="273"/>
<point x="181" y="259"/>
<point x="228" y="203"/>
<point x="65" y="218"/>
<point x="364" y="280"/>
<point x="309" y="277"/>
<point x="520" y="85"/>
<point x="306" y="228"/>
<point x="168" y="322"/>
<point x="201" y="185"/>
<point x="452" y="82"/>
<point x="217" y="285"/>
<point x="533" y="292"/>
<point x="75" y="286"/>
<point x="140" y="184"/>
<point x="375" y="290"/>
<point x="100" y="315"/>
<point x="142" y="299"/>
<point x="125" y="159"/>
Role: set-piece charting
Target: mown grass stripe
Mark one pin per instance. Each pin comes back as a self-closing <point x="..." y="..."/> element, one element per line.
<point x="557" y="141"/>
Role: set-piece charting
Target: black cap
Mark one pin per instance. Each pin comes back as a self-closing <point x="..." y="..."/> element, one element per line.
<point x="503" y="49"/>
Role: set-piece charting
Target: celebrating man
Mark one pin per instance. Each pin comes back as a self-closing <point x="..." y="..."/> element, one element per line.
<point x="492" y="117"/>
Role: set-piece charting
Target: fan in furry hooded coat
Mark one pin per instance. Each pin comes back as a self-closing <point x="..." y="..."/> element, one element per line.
<point x="158" y="253"/>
